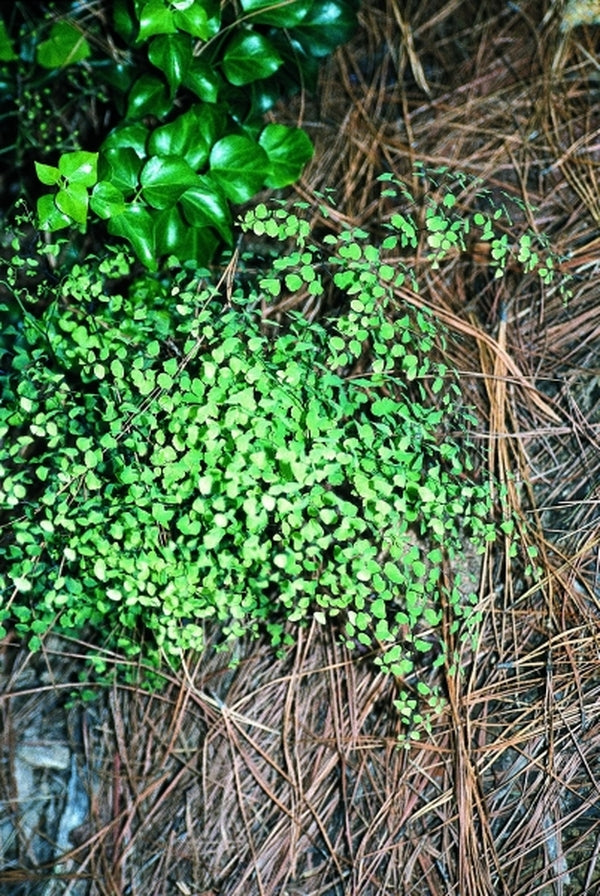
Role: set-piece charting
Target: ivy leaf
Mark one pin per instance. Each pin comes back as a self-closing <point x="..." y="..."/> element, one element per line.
<point x="203" y="80"/>
<point x="47" y="174"/>
<point x="148" y="96"/>
<point x="65" y="46"/>
<point x="193" y="18"/>
<point x="288" y="149"/>
<point x="210" y="122"/>
<point x="199" y="245"/>
<point x="172" y="54"/>
<point x="172" y="139"/>
<point x="124" y="21"/>
<point x="49" y="215"/>
<point x="250" y="57"/>
<point x="135" y="224"/>
<point x="79" y="167"/>
<point x="164" y="179"/>
<point x="73" y="201"/>
<point x="281" y="15"/>
<point x="129" y="136"/>
<point x="122" y="168"/>
<point x="328" y="24"/>
<point x="205" y="204"/>
<point x="239" y="165"/>
<point x="299" y="64"/>
<point x="170" y="232"/>
<point x="182" y="138"/>
<point x="155" y="18"/>
<point x="107" y="200"/>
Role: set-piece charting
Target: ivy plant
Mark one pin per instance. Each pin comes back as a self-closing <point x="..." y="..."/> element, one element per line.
<point x="191" y="90"/>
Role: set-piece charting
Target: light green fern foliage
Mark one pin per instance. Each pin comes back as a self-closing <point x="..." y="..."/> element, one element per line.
<point x="168" y="461"/>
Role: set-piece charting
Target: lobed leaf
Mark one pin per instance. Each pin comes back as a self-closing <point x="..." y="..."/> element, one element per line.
<point x="327" y="24"/>
<point x="288" y="151"/>
<point x="107" y="200"/>
<point x="239" y="166"/>
<point x="135" y="225"/>
<point x="164" y="179"/>
<point x="65" y="46"/>
<point x="155" y="18"/>
<point x="148" y="96"/>
<point x="172" y="54"/>
<point x="73" y="201"/>
<point x="205" y="205"/>
<point x="79" y="167"/>
<point x="248" y="57"/>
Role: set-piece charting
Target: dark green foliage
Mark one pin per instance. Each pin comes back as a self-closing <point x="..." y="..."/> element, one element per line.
<point x="188" y="84"/>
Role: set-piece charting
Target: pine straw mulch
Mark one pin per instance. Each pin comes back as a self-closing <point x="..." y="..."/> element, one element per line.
<point x="282" y="776"/>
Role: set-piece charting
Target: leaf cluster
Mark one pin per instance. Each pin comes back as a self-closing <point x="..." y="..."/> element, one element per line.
<point x="446" y="227"/>
<point x="167" y="461"/>
<point x="189" y="83"/>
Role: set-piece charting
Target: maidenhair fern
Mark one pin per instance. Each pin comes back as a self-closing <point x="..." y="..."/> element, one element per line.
<point x="169" y="462"/>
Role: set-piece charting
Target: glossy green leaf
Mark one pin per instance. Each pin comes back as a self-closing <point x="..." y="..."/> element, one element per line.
<point x="65" y="46"/>
<point x="136" y="226"/>
<point x="199" y="245"/>
<point x="211" y="122"/>
<point x="118" y="75"/>
<point x="205" y="205"/>
<point x="126" y="25"/>
<point x="170" y="232"/>
<point x="280" y="13"/>
<point x="79" y="167"/>
<point x="249" y="57"/>
<point x="238" y="103"/>
<point x="300" y="65"/>
<point x="172" y="139"/>
<point x="148" y="96"/>
<point x="172" y="54"/>
<point x="203" y="80"/>
<point x="129" y="136"/>
<point x="73" y="201"/>
<point x="328" y="24"/>
<point x="49" y="215"/>
<point x="122" y="168"/>
<point x="262" y="95"/>
<point x="164" y="179"/>
<point x="288" y="149"/>
<point x="193" y="18"/>
<point x="7" y="54"/>
<point x="155" y="18"/>
<point x="181" y="137"/>
<point x="47" y="174"/>
<point x="107" y="200"/>
<point x="239" y="166"/>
